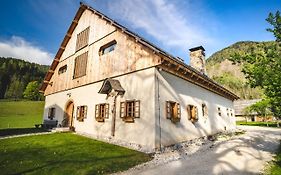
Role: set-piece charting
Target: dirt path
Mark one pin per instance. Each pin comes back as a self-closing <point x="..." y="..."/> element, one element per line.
<point x="244" y="154"/>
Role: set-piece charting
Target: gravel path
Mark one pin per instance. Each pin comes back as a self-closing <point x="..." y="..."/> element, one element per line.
<point x="242" y="154"/>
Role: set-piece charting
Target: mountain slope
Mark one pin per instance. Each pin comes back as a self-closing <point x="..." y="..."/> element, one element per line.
<point x="230" y="76"/>
<point x="15" y="74"/>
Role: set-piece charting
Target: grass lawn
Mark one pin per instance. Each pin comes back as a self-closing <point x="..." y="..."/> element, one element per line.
<point x="64" y="153"/>
<point x="275" y="166"/>
<point x="270" y="124"/>
<point x="20" y="114"/>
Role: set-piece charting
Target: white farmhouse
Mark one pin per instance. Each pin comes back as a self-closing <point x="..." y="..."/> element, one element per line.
<point x="107" y="81"/>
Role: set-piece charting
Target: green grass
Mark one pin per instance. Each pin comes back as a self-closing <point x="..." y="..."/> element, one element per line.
<point x="270" y="124"/>
<point x="20" y="114"/>
<point x="64" y="153"/>
<point x="275" y="166"/>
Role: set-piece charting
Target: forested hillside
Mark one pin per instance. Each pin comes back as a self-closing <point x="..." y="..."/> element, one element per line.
<point x="15" y="74"/>
<point x="224" y="72"/>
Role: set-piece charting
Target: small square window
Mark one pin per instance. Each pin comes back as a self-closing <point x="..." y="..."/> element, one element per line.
<point x="129" y="110"/>
<point x="173" y="111"/>
<point x="81" y="113"/>
<point x="51" y="113"/>
<point x="102" y="112"/>
<point x="192" y="113"/>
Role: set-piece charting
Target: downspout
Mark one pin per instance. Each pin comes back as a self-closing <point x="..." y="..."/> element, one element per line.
<point x="159" y="115"/>
<point x="113" y="116"/>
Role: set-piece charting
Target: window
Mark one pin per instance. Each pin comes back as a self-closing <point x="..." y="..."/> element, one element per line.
<point x="173" y="111"/>
<point x="51" y="113"/>
<point x="204" y="110"/>
<point x="231" y="113"/>
<point x="192" y="113"/>
<point x="102" y="112"/>
<point x="129" y="110"/>
<point x="81" y="113"/>
<point x="82" y="39"/>
<point x="219" y="111"/>
<point x="80" y="65"/>
<point x="62" y="69"/>
<point x="227" y="112"/>
<point x="107" y="48"/>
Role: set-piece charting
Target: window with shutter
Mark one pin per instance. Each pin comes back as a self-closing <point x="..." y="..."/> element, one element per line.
<point x="80" y="66"/>
<point x="193" y="113"/>
<point x="102" y="112"/>
<point x="81" y="113"/>
<point x="82" y="39"/>
<point x="173" y="111"/>
<point x="129" y="110"/>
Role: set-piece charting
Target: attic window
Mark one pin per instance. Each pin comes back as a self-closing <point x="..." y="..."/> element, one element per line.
<point x="102" y="112"/>
<point x="173" y="111"/>
<point x="192" y="113"/>
<point x="62" y="69"/>
<point x="129" y="110"/>
<point x="80" y="65"/>
<point x="82" y="39"/>
<point x="109" y="47"/>
<point x="81" y="113"/>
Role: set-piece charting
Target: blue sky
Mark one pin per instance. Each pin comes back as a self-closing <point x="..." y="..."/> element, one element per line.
<point x="33" y="29"/>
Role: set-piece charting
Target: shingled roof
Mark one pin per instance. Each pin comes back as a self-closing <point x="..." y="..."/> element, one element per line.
<point x="188" y="72"/>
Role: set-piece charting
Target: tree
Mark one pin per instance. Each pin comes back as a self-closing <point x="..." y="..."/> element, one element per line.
<point x="32" y="91"/>
<point x="15" y="89"/>
<point x="263" y="68"/>
<point x="262" y="108"/>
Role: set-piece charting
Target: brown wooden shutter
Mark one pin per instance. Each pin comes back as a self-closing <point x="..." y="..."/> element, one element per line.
<point x="78" y="113"/>
<point x="178" y="110"/>
<point x="188" y="112"/>
<point x="137" y="109"/>
<point x="85" y="112"/>
<point x="168" y="110"/>
<point x="106" y="110"/>
<point x="82" y="39"/>
<point x="195" y="113"/>
<point x="97" y="111"/>
<point x="122" y="109"/>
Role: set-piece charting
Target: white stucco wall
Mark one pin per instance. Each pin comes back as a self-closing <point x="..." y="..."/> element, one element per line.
<point x="138" y="85"/>
<point x="173" y="88"/>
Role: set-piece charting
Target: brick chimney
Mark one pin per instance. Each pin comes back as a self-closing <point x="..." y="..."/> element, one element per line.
<point x="197" y="59"/>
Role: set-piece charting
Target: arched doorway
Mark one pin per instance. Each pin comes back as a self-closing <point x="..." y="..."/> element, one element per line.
<point x="68" y="117"/>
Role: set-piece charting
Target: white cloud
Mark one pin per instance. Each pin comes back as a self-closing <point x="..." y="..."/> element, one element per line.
<point x="165" y="21"/>
<point x="18" y="47"/>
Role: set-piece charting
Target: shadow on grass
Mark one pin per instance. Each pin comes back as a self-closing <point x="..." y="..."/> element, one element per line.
<point x="20" y="131"/>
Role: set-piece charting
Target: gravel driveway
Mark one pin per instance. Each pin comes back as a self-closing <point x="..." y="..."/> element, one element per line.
<point x="243" y="154"/>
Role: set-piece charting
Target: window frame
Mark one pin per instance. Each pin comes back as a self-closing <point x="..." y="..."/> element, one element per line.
<point x="124" y="110"/>
<point x="62" y="69"/>
<point x="192" y="111"/>
<point x="112" y="44"/>
<point x="173" y="111"/>
<point x="51" y="113"/>
<point x="81" y="110"/>
<point x="205" y="112"/>
<point x="101" y="112"/>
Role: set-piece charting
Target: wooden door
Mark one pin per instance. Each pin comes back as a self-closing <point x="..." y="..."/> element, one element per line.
<point x="69" y="115"/>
